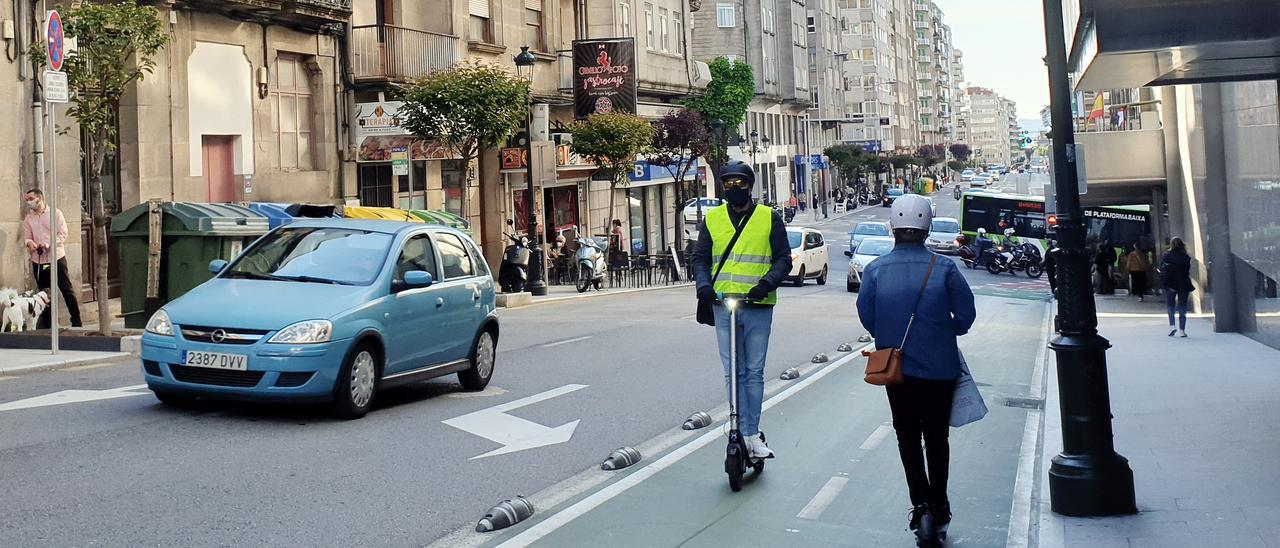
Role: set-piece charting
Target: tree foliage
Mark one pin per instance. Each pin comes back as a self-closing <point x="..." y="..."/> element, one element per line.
<point x="116" y="46"/>
<point x="724" y="103"/>
<point x="679" y="138"/>
<point x="468" y="108"/>
<point x="961" y="152"/>
<point x="612" y="141"/>
<point x="848" y="159"/>
<point x="956" y="165"/>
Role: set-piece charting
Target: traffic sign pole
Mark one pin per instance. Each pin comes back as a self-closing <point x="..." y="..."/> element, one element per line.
<point x="57" y="93"/>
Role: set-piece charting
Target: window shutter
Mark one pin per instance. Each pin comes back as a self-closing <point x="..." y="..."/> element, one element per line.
<point x="479" y="8"/>
<point x="535" y="5"/>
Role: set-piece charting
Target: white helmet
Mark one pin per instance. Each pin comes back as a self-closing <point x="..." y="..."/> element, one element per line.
<point x="911" y="211"/>
<point x="982" y="232"/>
<point x="1008" y="232"/>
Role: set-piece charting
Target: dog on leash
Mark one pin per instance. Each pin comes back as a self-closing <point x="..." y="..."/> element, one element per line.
<point x="23" y="312"/>
<point x="11" y="316"/>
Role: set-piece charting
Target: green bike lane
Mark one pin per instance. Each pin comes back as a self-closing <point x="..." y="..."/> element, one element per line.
<point x="837" y="480"/>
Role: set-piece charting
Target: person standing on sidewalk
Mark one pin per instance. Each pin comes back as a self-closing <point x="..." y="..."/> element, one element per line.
<point x="944" y="310"/>
<point x="757" y="263"/>
<point x="1175" y="274"/>
<point x="42" y="250"/>
<point x="1137" y="263"/>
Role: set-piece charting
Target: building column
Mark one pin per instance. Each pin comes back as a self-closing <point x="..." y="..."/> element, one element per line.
<point x="1218" y="229"/>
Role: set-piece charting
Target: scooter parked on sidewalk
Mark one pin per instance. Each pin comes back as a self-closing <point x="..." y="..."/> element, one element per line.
<point x="591" y="264"/>
<point x="737" y="456"/>
<point x="514" y="270"/>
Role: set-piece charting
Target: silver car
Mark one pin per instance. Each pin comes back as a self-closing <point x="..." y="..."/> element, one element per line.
<point x="942" y="235"/>
<point x="870" y="248"/>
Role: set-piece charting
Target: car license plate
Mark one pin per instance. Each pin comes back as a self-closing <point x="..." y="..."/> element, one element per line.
<point x="215" y="360"/>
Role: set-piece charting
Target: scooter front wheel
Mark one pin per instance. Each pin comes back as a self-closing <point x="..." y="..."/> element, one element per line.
<point x="584" y="279"/>
<point x="993" y="267"/>
<point x="733" y="466"/>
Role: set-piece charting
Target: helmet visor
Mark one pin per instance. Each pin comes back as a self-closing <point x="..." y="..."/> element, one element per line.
<point x="736" y="182"/>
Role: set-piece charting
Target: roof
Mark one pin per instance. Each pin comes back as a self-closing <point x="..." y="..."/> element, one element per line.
<point x="386" y="227"/>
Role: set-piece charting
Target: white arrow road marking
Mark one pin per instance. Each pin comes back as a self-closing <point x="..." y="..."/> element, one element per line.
<point x="73" y="396"/>
<point x="515" y="433"/>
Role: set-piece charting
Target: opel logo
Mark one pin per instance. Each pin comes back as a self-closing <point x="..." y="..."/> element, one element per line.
<point x="218" y="335"/>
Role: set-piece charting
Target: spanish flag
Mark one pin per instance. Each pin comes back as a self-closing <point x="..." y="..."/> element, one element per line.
<point x="1097" y="111"/>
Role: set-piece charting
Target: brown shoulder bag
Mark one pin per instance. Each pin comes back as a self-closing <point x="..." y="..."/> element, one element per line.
<point x="884" y="366"/>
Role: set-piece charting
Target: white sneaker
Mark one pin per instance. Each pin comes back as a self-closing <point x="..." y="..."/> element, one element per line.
<point x="757" y="448"/>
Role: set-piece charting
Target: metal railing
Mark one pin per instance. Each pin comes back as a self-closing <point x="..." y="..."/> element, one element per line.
<point x="397" y="53"/>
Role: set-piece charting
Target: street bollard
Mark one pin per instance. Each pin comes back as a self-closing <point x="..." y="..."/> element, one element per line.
<point x="621" y="458"/>
<point x="820" y="357"/>
<point x="790" y="374"/>
<point x="844" y="347"/>
<point x="696" y="421"/>
<point x="507" y="513"/>
<point x="864" y="338"/>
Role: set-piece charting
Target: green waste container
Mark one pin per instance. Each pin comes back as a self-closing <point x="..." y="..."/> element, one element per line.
<point x="192" y="234"/>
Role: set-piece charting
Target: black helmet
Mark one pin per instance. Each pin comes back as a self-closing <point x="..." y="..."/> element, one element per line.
<point x="740" y="170"/>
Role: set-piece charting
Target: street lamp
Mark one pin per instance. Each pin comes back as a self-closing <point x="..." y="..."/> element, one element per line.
<point x="537" y="281"/>
<point x="753" y="147"/>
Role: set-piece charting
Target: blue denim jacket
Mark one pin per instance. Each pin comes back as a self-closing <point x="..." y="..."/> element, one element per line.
<point x="889" y="288"/>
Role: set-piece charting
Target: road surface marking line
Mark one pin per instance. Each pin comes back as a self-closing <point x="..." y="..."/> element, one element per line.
<point x="594" y="500"/>
<point x="876" y="438"/>
<point x="1037" y="372"/>
<point x="566" y="341"/>
<point x="1019" y="535"/>
<point x="823" y="499"/>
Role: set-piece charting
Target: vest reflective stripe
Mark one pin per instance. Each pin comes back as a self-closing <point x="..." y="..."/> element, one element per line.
<point x="752" y="255"/>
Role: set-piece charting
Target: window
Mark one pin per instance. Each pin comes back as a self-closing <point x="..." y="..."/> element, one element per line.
<point x="533" y="24"/>
<point x="866" y="28"/>
<point x="416" y="255"/>
<point x="481" y="25"/>
<point x="725" y="16"/>
<point x="454" y="259"/>
<point x="813" y="58"/>
<point x="812" y="24"/>
<point x="291" y="113"/>
<point x="624" y="17"/>
<point x="813" y="94"/>
<point x="677" y="20"/>
<point x="665" y="41"/>
<point x="651" y="40"/>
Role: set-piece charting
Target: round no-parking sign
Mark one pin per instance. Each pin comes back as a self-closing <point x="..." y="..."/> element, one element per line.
<point x="54" y="40"/>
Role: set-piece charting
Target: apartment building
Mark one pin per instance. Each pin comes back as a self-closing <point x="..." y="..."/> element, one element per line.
<point x="959" y="100"/>
<point x="992" y="126"/>
<point x="868" y="74"/>
<point x="933" y="55"/>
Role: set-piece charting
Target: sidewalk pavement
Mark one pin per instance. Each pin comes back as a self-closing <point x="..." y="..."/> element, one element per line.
<point x="16" y="360"/>
<point x="1197" y="419"/>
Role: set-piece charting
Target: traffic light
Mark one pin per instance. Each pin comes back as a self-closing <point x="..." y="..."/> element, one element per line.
<point x="1053" y="221"/>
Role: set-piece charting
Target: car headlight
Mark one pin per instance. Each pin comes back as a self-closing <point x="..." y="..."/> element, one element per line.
<point x="856" y="265"/>
<point x="159" y="324"/>
<point x="308" y="332"/>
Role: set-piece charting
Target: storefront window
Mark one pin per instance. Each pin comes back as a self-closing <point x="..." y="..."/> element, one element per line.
<point x="637" y="208"/>
<point x="454" y="176"/>
<point x="561" y="209"/>
<point x="373" y="184"/>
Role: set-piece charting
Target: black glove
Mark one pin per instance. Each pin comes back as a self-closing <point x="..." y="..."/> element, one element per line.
<point x="757" y="293"/>
<point x="706" y="293"/>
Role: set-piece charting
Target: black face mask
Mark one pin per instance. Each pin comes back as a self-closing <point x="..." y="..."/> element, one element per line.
<point x="737" y="197"/>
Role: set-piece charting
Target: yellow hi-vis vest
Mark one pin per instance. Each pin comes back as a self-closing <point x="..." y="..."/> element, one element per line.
<point x="752" y="255"/>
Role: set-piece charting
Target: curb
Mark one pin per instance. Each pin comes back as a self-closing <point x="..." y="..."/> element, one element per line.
<point x="68" y="362"/>
<point x="589" y="295"/>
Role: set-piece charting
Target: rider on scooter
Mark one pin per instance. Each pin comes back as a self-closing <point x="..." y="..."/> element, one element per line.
<point x="757" y="264"/>
<point x="982" y="244"/>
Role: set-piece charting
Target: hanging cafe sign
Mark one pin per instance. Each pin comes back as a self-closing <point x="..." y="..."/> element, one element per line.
<point x="604" y="76"/>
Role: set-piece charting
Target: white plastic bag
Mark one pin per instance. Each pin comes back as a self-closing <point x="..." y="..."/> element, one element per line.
<point x="967" y="405"/>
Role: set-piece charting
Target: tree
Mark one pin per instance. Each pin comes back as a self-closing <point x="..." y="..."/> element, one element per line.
<point x="961" y="152"/>
<point x="848" y="159"/>
<point x="612" y="142"/>
<point x="116" y="45"/>
<point x="728" y="95"/>
<point x="955" y="165"/>
<point x="929" y="155"/>
<point x="901" y="162"/>
<point x="468" y="108"/>
<point x="679" y="138"/>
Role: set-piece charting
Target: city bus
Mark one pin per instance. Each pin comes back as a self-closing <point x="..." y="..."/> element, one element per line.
<point x="1120" y="225"/>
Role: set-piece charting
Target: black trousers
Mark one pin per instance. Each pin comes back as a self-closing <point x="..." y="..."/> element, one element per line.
<point x="41" y="273"/>
<point x="1138" y="283"/>
<point x="922" y="411"/>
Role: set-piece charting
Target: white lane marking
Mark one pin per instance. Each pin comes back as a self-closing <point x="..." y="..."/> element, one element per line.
<point x="566" y="341"/>
<point x="823" y="499"/>
<point x="1037" y="371"/>
<point x="515" y="433"/>
<point x="576" y="510"/>
<point x="1019" y="535"/>
<point x="73" y="396"/>
<point x="876" y="438"/>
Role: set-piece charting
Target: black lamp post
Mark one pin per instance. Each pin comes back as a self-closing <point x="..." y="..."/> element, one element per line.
<point x="537" y="281"/>
<point x="1088" y="478"/>
<point x="753" y="147"/>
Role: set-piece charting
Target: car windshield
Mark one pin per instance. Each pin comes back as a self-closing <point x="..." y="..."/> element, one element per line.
<point x="794" y="239"/>
<point x="948" y="226"/>
<point x="895" y="192"/>
<point x="871" y="229"/>
<point x="875" y="247"/>
<point x="314" y="255"/>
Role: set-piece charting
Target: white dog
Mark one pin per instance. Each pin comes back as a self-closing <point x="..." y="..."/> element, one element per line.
<point x="11" y="315"/>
<point x="32" y="305"/>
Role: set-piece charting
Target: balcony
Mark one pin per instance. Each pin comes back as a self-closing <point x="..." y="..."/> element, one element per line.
<point x="921" y="24"/>
<point x="1122" y="163"/>
<point x="395" y="54"/>
<point x="306" y="14"/>
<point x="924" y="76"/>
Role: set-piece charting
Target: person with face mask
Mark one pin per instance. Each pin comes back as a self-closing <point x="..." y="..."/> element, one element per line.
<point x="756" y="263"/>
<point x="45" y="251"/>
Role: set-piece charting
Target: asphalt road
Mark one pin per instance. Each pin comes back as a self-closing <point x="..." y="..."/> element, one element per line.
<point x="118" y="468"/>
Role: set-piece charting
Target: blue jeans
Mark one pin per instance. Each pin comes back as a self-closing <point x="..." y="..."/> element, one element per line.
<point x="1177" y="300"/>
<point x="754" y="324"/>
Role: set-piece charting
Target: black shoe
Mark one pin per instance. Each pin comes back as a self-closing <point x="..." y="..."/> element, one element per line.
<point x="941" y="514"/>
<point x="917" y="513"/>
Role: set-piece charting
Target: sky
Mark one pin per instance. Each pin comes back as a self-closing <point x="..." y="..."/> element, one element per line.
<point x="1003" y="43"/>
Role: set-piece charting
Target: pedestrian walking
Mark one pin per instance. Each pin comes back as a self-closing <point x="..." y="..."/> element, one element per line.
<point x="910" y="280"/>
<point x="617" y="248"/>
<point x="1175" y="275"/>
<point x="1138" y="265"/>
<point x="743" y="250"/>
<point x="1051" y="266"/>
<point x="1103" y="261"/>
<point x="44" y="251"/>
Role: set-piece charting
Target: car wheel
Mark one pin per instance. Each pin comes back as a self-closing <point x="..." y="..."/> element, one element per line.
<point x="800" y="279"/>
<point x="173" y="399"/>
<point x="822" y="278"/>
<point x="852" y="287"/>
<point x="483" y="355"/>
<point x="357" y="383"/>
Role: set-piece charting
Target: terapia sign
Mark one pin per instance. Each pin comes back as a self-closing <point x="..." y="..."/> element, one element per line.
<point x="604" y="76"/>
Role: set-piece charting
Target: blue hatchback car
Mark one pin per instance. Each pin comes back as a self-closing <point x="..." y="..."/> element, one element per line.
<point x="329" y="310"/>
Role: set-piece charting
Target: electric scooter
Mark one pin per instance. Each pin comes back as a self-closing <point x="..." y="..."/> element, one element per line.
<point x="737" y="457"/>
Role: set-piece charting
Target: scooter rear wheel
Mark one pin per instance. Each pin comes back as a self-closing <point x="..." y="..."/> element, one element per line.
<point x="993" y="267"/>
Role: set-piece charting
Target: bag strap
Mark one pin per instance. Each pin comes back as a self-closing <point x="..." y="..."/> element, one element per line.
<point x="924" y="283"/>
<point x="742" y="224"/>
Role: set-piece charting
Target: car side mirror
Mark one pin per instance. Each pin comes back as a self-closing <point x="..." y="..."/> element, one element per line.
<point x="848" y="253"/>
<point x="216" y="266"/>
<point x="417" y="278"/>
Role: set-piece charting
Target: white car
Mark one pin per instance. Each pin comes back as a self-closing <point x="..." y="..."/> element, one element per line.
<point x="867" y="251"/>
<point x="942" y="235"/>
<point x="691" y="208"/>
<point x="808" y="255"/>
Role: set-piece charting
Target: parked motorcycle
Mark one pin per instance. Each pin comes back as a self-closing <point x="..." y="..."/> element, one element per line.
<point x="955" y="192"/>
<point x="514" y="270"/>
<point x="591" y="264"/>
<point x="1013" y="258"/>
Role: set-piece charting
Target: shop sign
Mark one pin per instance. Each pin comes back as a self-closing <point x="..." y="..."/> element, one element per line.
<point x="645" y="172"/>
<point x="399" y="161"/>
<point x="604" y="76"/>
<point x="378" y="132"/>
<point x="516" y="158"/>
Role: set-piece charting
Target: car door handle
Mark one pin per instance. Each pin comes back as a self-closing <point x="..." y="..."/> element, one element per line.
<point x="439" y="302"/>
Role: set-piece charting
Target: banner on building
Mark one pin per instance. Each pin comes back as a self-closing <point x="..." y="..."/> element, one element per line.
<point x="378" y="134"/>
<point x="604" y="76"/>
